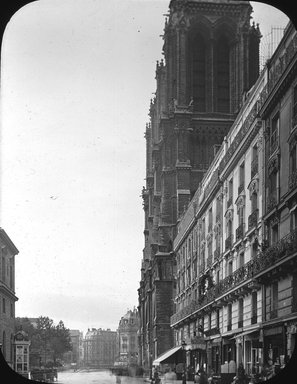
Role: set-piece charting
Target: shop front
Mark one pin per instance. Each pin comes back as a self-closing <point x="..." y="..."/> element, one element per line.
<point x="291" y="338"/>
<point x="274" y="344"/>
<point x="228" y="349"/>
<point x="253" y="352"/>
<point x="198" y="355"/>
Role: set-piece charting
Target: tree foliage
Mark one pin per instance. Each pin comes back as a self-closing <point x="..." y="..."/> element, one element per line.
<point x="47" y="339"/>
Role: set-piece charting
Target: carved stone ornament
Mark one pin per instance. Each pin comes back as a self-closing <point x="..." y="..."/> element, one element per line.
<point x="273" y="165"/>
<point x="229" y="214"/>
<point x="274" y="221"/>
<point x="254" y="186"/>
<point x="209" y="238"/>
<point x="240" y="202"/>
<point x="217" y="229"/>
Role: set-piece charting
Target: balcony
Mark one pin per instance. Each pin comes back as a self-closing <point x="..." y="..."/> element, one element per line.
<point x="253" y="219"/>
<point x="228" y="242"/>
<point x="240" y="232"/>
<point x="254" y="167"/>
<point x="293" y="180"/>
<point x="285" y="247"/>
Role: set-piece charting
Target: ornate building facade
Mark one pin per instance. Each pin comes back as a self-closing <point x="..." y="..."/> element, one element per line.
<point x="236" y="246"/>
<point x="8" y="251"/>
<point x="100" y="348"/>
<point x="211" y="58"/>
<point x="127" y="339"/>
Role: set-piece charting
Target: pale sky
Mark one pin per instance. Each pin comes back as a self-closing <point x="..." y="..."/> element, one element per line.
<point x="77" y="77"/>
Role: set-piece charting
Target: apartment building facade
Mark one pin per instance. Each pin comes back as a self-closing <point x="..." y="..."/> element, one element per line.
<point x="236" y="245"/>
<point x="100" y="348"/>
<point x="8" y="251"/>
<point x="127" y="339"/>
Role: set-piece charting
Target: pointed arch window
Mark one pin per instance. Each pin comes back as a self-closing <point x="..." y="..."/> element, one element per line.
<point x="223" y="75"/>
<point x="199" y="73"/>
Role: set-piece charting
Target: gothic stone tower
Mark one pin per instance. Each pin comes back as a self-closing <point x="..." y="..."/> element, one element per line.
<point x="211" y="58"/>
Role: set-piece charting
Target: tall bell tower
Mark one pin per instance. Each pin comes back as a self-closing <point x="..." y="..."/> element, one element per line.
<point x="211" y="59"/>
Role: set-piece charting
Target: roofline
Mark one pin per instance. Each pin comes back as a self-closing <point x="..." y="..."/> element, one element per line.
<point x="6" y="239"/>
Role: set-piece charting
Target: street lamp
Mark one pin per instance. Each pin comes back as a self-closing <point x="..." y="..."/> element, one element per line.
<point x="184" y="378"/>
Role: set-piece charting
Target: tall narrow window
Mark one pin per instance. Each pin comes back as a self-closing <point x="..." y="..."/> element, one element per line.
<point x="274" y="133"/>
<point x="241" y="178"/>
<point x="294" y="122"/>
<point x="240" y="313"/>
<point x="254" y="307"/>
<point x="230" y="193"/>
<point x="199" y="73"/>
<point x="223" y="75"/>
<point x="229" y="317"/>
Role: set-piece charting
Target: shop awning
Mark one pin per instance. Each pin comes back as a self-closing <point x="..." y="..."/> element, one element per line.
<point x="246" y="332"/>
<point x="165" y="355"/>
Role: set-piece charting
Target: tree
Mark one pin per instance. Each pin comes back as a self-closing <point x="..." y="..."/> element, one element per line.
<point x="47" y="339"/>
<point x="60" y="341"/>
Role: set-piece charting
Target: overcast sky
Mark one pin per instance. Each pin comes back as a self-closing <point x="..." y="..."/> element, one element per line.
<point x="76" y="82"/>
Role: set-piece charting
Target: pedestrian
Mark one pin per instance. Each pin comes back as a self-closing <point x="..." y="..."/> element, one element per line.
<point x="118" y="379"/>
<point x="170" y="376"/>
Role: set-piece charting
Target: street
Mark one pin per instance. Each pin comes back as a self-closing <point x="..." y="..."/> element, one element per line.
<point x="94" y="377"/>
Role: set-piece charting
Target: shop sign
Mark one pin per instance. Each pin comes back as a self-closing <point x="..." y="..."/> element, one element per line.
<point x="273" y="331"/>
<point x="199" y="346"/>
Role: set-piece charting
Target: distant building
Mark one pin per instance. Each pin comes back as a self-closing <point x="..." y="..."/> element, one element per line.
<point x="7" y="295"/>
<point x="75" y="356"/>
<point x="100" y="348"/>
<point x="127" y="343"/>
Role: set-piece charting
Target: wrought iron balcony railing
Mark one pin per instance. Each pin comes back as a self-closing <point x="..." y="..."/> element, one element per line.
<point x="264" y="260"/>
<point x="293" y="180"/>
<point x="253" y="219"/>
<point x="240" y="232"/>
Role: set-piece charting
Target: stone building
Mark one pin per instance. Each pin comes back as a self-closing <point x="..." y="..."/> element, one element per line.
<point x="127" y="338"/>
<point x="100" y="348"/>
<point x="75" y="356"/>
<point x="211" y="58"/>
<point x="236" y="246"/>
<point x="8" y="251"/>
